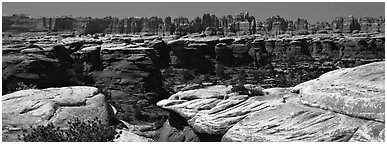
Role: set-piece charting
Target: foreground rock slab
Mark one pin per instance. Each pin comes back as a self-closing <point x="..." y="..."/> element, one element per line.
<point x="212" y="111"/>
<point x="33" y="107"/>
<point x="341" y="105"/>
<point x="296" y="122"/>
<point x="358" y="92"/>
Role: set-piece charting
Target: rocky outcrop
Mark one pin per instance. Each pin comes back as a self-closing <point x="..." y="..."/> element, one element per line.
<point x="191" y="56"/>
<point x="33" y="107"/>
<point x="37" y="69"/>
<point x="223" y="54"/>
<point x="211" y="111"/>
<point x="342" y="105"/>
<point x="337" y="110"/>
<point x="163" y="51"/>
<point x="261" y="57"/>
<point x="240" y="54"/>
<point x="358" y="92"/>
<point x="176" y="129"/>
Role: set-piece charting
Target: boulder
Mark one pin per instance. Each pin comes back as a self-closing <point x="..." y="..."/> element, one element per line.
<point x="33" y="107"/>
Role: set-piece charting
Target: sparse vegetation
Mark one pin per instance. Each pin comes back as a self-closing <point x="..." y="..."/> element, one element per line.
<point x="79" y="131"/>
<point x="21" y="86"/>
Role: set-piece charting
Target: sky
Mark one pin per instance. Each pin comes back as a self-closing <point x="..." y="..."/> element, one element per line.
<point x="312" y="11"/>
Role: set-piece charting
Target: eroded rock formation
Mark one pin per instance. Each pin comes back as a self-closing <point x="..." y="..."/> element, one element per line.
<point x="342" y="105"/>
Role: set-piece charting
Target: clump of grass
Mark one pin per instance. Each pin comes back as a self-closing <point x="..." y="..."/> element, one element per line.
<point x="79" y="131"/>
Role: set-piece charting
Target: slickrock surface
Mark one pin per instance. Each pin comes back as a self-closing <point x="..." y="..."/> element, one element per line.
<point x="342" y="105"/>
<point x="33" y="107"/>
<point x="357" y="92"/>
<point x="212" y="111"/>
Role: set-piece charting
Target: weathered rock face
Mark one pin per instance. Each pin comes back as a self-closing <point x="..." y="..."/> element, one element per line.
<point x="32" y="107"/>
<point x="240" y="54"/>
<point x="163" y="51"/>
<point x="37" y="69"/>
<point x="177" y="53"/>
<point x="133" y="67"/>
<point x="325" y="50"/>
<point x="224" y="54"/>
<point x="335" y="111"/>
<point x="342" y="105"/>
<point x="358" y="48"/>
<point x="211" y="111"/>
<point x="293" y="122"/>
<point x="358" y="92"/>
<point x="298" y="51"/>
<point x="270" y="45"/>
<point x="210" y="42"/>
<point x="261" y="57"/>
<point x="194" y="56"/>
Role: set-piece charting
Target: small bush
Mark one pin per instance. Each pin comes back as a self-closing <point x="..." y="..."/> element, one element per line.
<point x="220" y="71"/>
<point x="187" y="75"/>
<point x="79" y="131"/>
<point x="104" y="90"/>
<point x="21" y="86"/>
<point x="240" y="89"/>
<point x="256" y="92"/>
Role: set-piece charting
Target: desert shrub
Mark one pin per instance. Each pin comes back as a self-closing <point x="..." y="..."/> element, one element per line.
<point x="239" y="85"/>
<point x="104" y="90"/>
<point x="256" y="91"/>
<point x="168" y="72"/>
<point x="20" y="86"/>
<point x="79" y="131"/>
<point x="259" y="75"/>
<point x="220" y="71"/>
<point x="240" y="89"/>
<point x="187" y="75"/>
